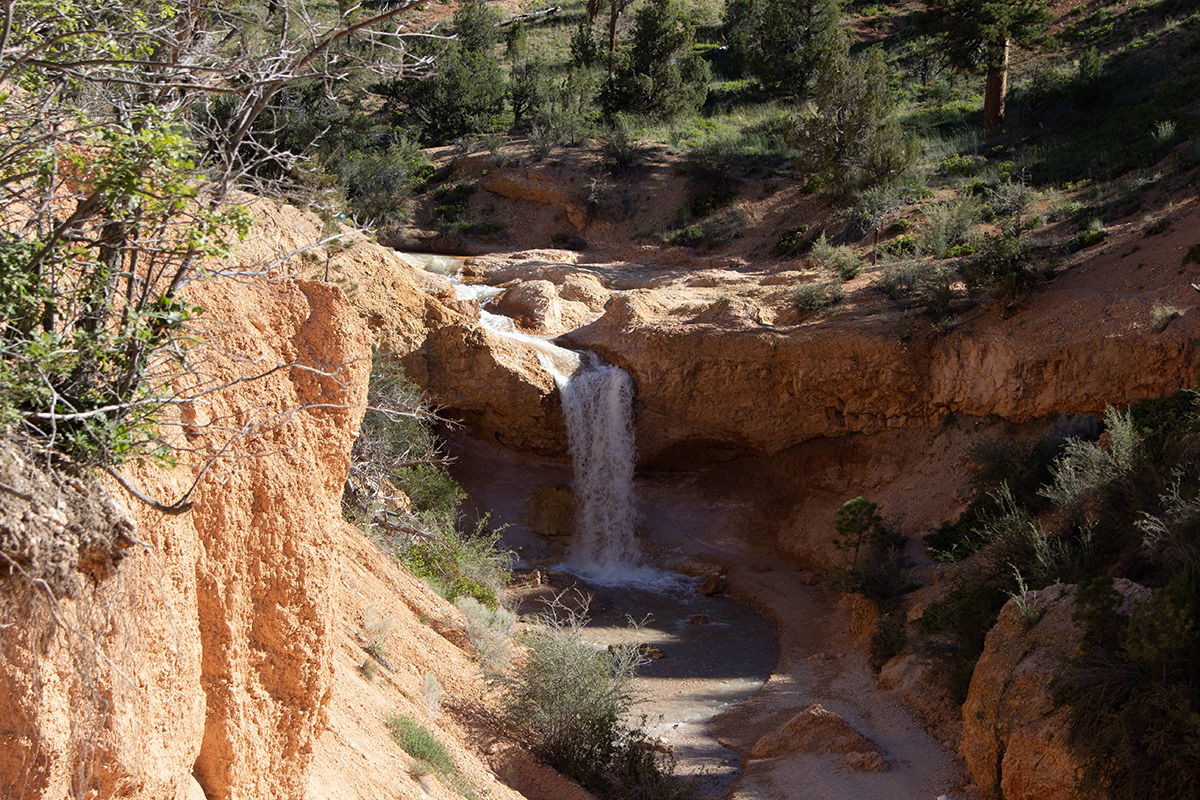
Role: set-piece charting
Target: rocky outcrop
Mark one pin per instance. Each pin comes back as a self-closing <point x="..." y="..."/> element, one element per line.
<point x="494" y="384"/>
<point x="536" y="185"/>
<point x="202" y="667"/>
<point x="1014" y="734"/>
<point x="852" y="374"/>
<point x="212" y="662"/>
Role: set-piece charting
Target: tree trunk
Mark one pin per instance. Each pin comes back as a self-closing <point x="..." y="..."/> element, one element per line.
<point x="614" y="16"/>
<point x="996" y="89"/>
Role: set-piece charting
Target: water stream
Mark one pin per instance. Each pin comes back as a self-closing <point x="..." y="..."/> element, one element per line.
<point x="709" y="666"/>
<point x="597" y="404"/>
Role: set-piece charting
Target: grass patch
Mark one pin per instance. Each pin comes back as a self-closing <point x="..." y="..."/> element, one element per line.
<point x="416" y="740"/>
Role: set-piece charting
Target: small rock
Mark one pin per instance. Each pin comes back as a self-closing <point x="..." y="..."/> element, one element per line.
<point x="650" y="651"/>
<point x="808" y="578"/>
<point x="713" y="584"/>
<point x="871" y="761"/>
<point x="699" y="619"/>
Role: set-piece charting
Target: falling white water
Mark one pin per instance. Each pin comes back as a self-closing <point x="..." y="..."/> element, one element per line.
<point x="597" y="403"/>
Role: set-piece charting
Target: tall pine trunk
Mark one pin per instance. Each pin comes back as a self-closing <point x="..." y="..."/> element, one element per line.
<point x="996" y="89"/>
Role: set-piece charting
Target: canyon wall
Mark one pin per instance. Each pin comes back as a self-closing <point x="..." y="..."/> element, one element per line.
<point x="221" y="658"/>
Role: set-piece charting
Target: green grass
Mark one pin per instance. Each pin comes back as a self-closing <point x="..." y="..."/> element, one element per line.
<point x="418" y="742"/>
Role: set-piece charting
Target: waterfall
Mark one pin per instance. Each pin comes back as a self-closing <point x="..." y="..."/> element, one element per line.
<point x="597" y="404"/>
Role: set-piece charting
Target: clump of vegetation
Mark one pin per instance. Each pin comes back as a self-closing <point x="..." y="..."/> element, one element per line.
<point x="794" y="241"/>
<point x="1134" y="688"/>
<point x="396" y="449"/>
<point x="581" y="732"/>
<point x="489" y="629"/>
<point x="873" y="552"/>
<point x="838" y="259"/>
<point x="659" y="74"/>
<point x="815" y="296"/>
<point x="430" y="754"/>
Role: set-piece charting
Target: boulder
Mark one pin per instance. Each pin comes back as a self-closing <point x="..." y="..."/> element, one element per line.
<point x="534" y="305"/>
<point x="1014" y="733"/>
<point x="549" y="511"/>
<point x="818" y="730"/>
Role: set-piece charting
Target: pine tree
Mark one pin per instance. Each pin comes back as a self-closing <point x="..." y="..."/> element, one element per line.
<point x="659" y="73"/>
<point x="977" y="33"/>
<point x="780" y="42"/>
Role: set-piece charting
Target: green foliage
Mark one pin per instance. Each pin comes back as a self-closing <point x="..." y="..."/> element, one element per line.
<point x="562" y="111"/>
<point x="379" y="183"/>
<point x="838" y="259"/>
<point x="874" y="565"/>
<point x="1134" y="689"/>
<point x="794" y="241"/>
<point x="972" y="33"/>
<point x="431" y="755"/>
<point x="919" y="283"/>
<point x="850" y="137"/>
<point x="581" y="731"/>
<point x="953" y="630"/>
<point x="460" y="563"/>
<point x="815" y="296"/>
<point x="106" y="224"/>
<point x="585" y="50"/>
<point x="715" y="229"/>
<point x="658" y="74"/>
<point x="619" y="147"/>
<point x="467" y="90"/>
<point x="887" y="640"/>
<point x="1085" y="467"/>
<point x="489" y="629"/>
<point x="397" y="449"/>
<point x="947" y="224"/>
<point x="1004" y="268"/>
<point x="418" y="742"/>
<point x="782" y="43"/>
<point x="708" y="201"/>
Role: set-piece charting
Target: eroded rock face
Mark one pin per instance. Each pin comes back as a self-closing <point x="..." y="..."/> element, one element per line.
<point x="1014" y="734"/>
<point x="533" y="304"/>
<point x="768" y="389"/>
<point x="212" y="644"/>
<point x="493" y="383"/>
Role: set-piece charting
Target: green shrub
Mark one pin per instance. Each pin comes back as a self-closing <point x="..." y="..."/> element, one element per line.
<point x="919" y="283"/>
<point x="887" y="640"/>
<point x="1085" y="467"/>
<point x="457" y="563"/>
<point x="838" y="259"/>
<point x="1134" y="690"/>
<point x="1003" y="268"/>
<point x="708" y="201"/>
<point x="794" y="241"/>
<point x="1161" y="315"/>
<point x="953" y="630"/>
<point x="619" y="148"/>
<point x="1193" y="255"/>
<point x="489" y="629"/>
<point x="962" y="165"/>
<point x="946" y="224"/>
<point x="418" y="742"/>
<point x="713" y="230"/>
<point x="659" y="74"/>
<point x="581" y="731"/>
<point x="810" y="297"/>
